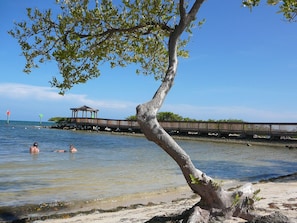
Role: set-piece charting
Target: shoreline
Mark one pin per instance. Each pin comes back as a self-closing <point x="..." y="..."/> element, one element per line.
<point x="288" y="144"/>
<point x="62" y="210"/>
<point x="281" y="192"/>
<point x="279" y="195"/>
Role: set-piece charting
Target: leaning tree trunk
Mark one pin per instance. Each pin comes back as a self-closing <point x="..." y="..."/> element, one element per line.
<point x="213" y="196"/>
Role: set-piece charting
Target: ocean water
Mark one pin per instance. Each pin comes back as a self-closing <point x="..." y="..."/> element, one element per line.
<point x="110" y="165"/>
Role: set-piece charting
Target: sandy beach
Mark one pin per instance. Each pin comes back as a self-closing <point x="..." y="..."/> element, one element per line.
<point x="277" y="196"/>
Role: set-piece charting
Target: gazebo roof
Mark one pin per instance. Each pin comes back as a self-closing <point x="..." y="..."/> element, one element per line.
<point x="85" y="108"/>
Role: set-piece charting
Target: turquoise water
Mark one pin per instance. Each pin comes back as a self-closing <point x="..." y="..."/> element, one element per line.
<point x="108" y="165"/>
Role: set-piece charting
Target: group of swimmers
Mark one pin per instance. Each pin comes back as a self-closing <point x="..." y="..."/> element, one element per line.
<point x="34" y="149"/>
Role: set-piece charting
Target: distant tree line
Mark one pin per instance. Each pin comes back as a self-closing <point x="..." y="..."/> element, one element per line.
<point x="58" y="119"/>
<point x="170" y="116"/>
<point x="161" y="116"/>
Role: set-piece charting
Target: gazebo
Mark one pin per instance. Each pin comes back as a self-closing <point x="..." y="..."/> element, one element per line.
<point x="85" y="110"/>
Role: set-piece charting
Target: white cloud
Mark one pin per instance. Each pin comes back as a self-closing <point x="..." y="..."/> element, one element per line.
<point x="25" y="100"/>
<point x="22" y="92"/>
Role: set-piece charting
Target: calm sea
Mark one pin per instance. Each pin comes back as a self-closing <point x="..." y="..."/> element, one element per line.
<point x="108" y="165"/>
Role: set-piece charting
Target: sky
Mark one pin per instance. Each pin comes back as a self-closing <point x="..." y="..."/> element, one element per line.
<point x="242" y="65"/>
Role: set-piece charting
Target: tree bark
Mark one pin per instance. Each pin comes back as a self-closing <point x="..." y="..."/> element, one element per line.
<point x="213" y="196"/>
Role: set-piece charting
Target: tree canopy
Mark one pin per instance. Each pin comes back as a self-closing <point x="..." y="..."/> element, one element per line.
<point x="85" y="34"/>
<point x="287" y="7"/>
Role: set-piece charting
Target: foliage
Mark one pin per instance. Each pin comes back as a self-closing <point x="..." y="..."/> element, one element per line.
<point x="248" y="202"/>
<point x="255" y="195"/>
<point x="58" y="119"/>
<point x="194" y="180"/>
<point x="215" y="184"/>
<point x="189" y="119"/>
<point x="85" y="34"/>
<point x="132" y="118"/>
<point x="287" y="7"/>
<point x="82" y="35"/>
<point x="168" y="116"/>
<point x="165" y="116"/>
<point x="236" y="199"/>
<point x="225" y="120"/>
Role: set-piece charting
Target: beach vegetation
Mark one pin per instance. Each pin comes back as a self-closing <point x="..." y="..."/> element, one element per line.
<point x="226" y="120"/>
<point x="132" y="118"/>
<point x="166" y="117"/>
<point x="58" y="119"/>
<point x="236" y="199"/>
<point x="170" y="116"/>
<point x="85" y="34"/>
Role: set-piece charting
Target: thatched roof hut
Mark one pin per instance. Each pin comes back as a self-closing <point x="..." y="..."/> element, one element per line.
<point x="85" y="110"/>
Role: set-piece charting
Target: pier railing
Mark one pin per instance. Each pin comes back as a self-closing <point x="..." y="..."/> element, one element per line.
<point x="246" y="129"/>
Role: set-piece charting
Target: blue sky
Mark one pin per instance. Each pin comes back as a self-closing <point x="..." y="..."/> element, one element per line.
<point x="242" y="65"/>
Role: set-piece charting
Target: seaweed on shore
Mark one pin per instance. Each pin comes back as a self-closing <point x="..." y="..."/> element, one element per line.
<point x="15" y="214"/>
<point x="285" y="178"/>
<point x="62" y="210"/>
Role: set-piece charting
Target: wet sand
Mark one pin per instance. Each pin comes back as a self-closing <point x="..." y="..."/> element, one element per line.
<point x="277" y="195"/>
<point x="63" y="211"/>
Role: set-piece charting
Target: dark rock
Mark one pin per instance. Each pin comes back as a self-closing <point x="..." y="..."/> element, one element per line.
<point x="276" y="217"/>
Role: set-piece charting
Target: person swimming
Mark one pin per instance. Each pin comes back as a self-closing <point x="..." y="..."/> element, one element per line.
<point x="72" y="149"/>
<point x="34" y="148"/>
<point x="60" y="151"/>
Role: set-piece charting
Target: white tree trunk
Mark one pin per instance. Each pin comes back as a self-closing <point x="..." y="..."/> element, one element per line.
<point x="212" y="195"/>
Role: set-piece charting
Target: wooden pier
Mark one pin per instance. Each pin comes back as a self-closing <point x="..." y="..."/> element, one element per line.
<point x="220" y="129"/>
